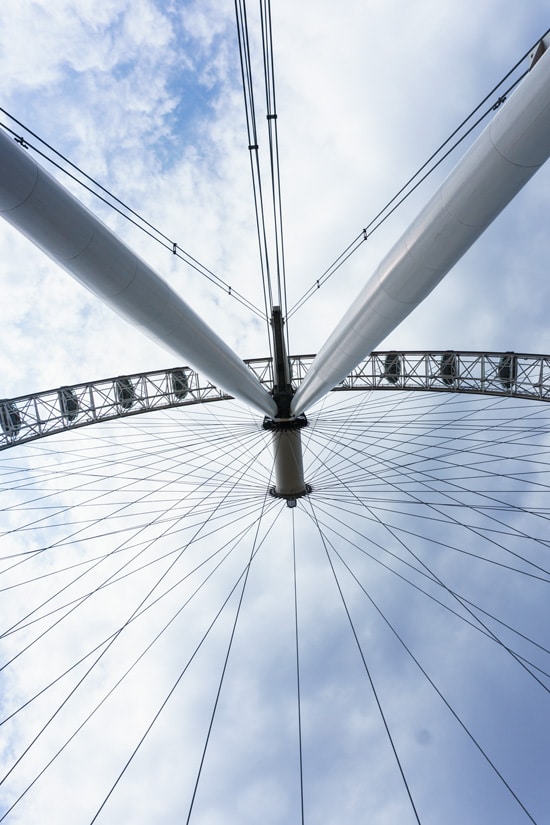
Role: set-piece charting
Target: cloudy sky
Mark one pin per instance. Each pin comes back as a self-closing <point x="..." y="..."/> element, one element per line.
<point x="146" y="98"/>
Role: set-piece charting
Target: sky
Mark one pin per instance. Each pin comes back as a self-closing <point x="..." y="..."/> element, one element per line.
<point x="146" y="98"/>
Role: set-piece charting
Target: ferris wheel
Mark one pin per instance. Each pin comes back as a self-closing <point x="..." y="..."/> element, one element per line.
<point x="232" y="610"/>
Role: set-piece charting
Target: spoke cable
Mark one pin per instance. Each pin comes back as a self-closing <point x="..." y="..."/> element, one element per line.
<point x="125" y="211"/>
<point x="96" y="708"/>
<point x="142" y="602"/>
<point x="418" y="178"/>
<point x="231" y="543"/>
<point x="432" y="683"/>
<point x="312" y="513"/>
<point x="385" y="526"/>
<point x="226" y="661"/>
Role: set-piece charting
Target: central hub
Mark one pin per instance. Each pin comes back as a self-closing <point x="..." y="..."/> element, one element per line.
<point x="288" y="465"/>
<point x="279" y="424"/>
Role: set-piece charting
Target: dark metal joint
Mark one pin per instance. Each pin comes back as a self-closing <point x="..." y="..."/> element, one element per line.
<point x="285" y="424"/>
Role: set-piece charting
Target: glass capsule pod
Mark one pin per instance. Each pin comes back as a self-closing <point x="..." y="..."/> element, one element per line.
<point x="180" y="384"/>
<point x="448" y="368"/>
<point x="392" y="367"/>
<point x="10" y="418"/>
<point x="68" y="403"/>
<point x="125" y="393"/>
<point x="508" y="370"/>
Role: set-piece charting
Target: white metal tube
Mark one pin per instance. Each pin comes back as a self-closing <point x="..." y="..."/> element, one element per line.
<point x="39" y="207"/>
<point x="288" y="463"/>
<point x="504" y="157"/>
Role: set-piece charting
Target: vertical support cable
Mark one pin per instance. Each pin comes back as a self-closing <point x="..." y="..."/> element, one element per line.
<point x="253" y="148"/>
<point x="271" y="107"/>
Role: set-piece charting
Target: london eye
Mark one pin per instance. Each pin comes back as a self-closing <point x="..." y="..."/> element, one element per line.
<point x="232" y="592"/>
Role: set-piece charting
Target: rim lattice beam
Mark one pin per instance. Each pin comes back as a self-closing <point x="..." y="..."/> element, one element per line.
<point x="29" y="417"/>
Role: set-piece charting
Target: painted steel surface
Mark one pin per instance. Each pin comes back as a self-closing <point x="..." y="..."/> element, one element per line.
<point x="46" y="213"/>
<point x="503" y="158"/>
<point x="288" y="463"/>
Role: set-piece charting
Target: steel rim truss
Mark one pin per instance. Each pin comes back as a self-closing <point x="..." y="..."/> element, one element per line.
<point x="508" y="374"/>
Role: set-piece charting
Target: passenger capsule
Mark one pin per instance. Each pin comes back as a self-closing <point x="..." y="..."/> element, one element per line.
<point x="508" y="370"/>
<point x="125" y="393"/>
<point x="10" y="418"/>
<point x="392" y="367"/>
<point x="68" y="403"/>
<point x="448" y="368"/>
<point x="180" y="384"/>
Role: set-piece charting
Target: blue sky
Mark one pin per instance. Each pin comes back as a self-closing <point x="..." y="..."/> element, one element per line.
<point x="146" y="98"/>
